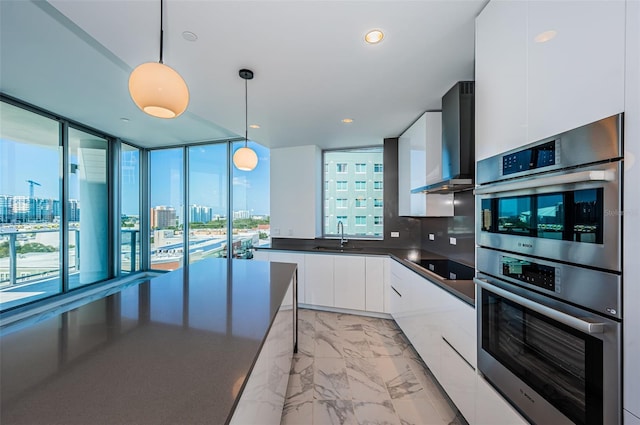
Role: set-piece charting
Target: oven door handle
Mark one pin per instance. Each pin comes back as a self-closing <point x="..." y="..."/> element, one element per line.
<point x="567" y="319"/>
<point x="578" y="177"/>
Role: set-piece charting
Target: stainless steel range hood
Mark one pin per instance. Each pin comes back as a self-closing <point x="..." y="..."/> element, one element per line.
<point x="458" y="141"/>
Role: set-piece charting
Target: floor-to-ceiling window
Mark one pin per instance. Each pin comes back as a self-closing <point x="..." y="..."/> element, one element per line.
<point x="166" y="167"/>
<point x="207" y="204"/>
<point x="70" y="194"/>
<point x="130" y="208"/>
<point x="30" y="207"/>
<point x="89" y="208"/>
<point x="251" y="204"/>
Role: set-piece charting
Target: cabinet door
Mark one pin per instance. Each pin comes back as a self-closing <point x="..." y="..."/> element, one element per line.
<point x="292" y="257"/>
<point x="491" y="408"/>
<point x="349" y="282"/>
<point x="412" y="146"/>
<point x="374" y="284"/>
<point x="458" y="379"/>
<point x="424" y="319"/>
<point x="459" y="326"/>
<point x="576" y="77"/>
<point x="396" y="289"/>
<point x="318" y="279"/>
<point x="501" y="78"/>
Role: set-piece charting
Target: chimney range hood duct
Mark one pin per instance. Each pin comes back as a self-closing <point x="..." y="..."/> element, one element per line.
<point x="458" y="141"/>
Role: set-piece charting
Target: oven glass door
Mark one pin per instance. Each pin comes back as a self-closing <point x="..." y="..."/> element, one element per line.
<point x="571" y="215"/>
<point x="561" y="364"/>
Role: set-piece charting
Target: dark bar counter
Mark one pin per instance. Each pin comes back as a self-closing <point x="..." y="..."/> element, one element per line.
<point x="176" y="349"/>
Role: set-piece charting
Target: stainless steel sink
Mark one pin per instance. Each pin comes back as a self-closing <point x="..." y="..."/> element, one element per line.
<point x="337" y="248"/>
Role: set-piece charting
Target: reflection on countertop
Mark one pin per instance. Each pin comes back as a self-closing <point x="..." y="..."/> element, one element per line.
<point x="461" y="288"/>
<point x="174" y="349"/>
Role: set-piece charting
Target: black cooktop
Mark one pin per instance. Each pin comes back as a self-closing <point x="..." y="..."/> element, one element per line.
<point x="448" y="269"/>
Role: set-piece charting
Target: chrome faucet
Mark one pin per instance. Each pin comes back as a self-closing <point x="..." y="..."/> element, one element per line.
<point x="341" y="231"/>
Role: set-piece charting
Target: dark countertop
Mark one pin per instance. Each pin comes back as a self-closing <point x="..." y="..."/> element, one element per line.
<point x="174" y="349"/>
<point x="463" y="289"/>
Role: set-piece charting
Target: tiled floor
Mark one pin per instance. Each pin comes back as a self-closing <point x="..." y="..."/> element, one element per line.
<point x="360" y="370"/>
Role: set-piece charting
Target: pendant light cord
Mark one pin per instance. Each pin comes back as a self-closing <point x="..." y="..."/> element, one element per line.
<point x="246" y="115"/>
<point x="161" y="32"/>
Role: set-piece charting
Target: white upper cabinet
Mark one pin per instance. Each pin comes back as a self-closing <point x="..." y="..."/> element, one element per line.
<point x="501" y="78"/>
<point x="296" y="192"/>
<point x="527" y="90"/>
<point x="576" y="77"/>
<point x="420" y="164"/>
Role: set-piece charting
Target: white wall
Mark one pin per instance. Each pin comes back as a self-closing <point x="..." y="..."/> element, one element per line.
<point x="631" y="240"/>
<point x="296" y="190"/>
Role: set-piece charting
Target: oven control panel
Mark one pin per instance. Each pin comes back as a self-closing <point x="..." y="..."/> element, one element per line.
<point x="542" y="276"/>
<point x="532" y="158"/>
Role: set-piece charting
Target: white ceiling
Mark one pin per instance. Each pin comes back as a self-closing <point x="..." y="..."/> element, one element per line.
<point x="312" y="67"/>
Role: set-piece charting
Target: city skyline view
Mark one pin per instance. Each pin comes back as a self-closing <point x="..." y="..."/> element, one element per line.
<point x="40" y="164"/>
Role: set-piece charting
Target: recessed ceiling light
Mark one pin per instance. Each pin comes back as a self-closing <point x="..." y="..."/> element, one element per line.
<point x="189" y="36"/>
<point x="374" y="36"/>
<point x="545" y="36"/>
<point x="347" y="120"/>
<point x="254" y="126"/>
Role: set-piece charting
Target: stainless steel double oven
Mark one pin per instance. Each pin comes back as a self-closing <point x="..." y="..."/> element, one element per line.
<point x="549" y="283"/>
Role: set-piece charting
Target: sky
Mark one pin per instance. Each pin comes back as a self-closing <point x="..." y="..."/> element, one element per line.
<point x="20" y="162"/>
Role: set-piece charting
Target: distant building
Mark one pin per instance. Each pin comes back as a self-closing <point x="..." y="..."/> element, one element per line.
<point x="23" y="209"/>
<point x="354" y="193"/>
<point x="241" y="214"/>
<point x="163" y="216"/>
<point x="200" y="214"/>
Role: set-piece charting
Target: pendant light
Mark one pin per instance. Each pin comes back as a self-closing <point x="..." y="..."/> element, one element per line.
<point x="245" y="158"/>
<point x="158" y="89"/>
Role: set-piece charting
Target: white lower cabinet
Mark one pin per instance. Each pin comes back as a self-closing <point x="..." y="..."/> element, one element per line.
<point x="285" y="257"/>
<point x="374" y="283"/>
<point x="349" y="282"/>
<point x="458" y="379"/>
<point x="296" y="258"/>
<point x="492" y="409"/>
<point x="353" y="282"/>
<point x="318" y="278"/>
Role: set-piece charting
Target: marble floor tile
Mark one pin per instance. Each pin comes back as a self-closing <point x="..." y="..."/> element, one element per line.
<point x="425" y="377"/>
<point x="330" y="379"/>
<point x="300" y="386"/>
<point x="333" y="412"/>
<point x="297" y="413"/>
<point x="354" y="344"/>
<point x="360" y="370"/>
<point x="417" y="412"/>
<point x="364" y="380"/>
<point x="400" y="380"/>
<point x="328" y="344"/>
<point x="375" y="413"/>
<point x="306" y="334"/>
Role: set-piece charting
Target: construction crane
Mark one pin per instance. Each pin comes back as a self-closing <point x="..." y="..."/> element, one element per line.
<point x="31" y="184"/>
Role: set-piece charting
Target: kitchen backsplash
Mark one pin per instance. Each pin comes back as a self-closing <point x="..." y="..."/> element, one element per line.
<point x="461" y="227"/>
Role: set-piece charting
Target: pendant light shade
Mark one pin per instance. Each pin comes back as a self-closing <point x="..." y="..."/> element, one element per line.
<point x="158" y="89"/>
<point x="245" y="158"/>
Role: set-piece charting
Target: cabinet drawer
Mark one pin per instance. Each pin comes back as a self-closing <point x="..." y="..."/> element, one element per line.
<point x="459" y="328"/>
<point x="458" y="379"/>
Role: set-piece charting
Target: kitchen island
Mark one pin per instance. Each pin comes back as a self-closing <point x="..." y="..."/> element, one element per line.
<point x="209" y="343"/>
